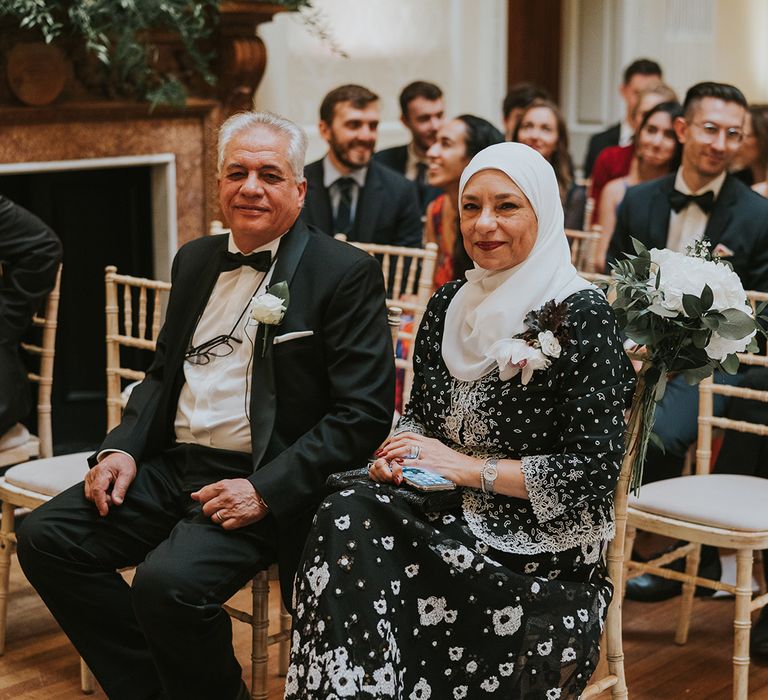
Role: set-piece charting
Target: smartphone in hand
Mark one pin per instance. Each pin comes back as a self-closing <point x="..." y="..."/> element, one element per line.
<point x="424" y="480"/>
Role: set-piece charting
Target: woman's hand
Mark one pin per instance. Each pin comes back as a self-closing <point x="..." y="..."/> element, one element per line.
<point x="414" y="450"/>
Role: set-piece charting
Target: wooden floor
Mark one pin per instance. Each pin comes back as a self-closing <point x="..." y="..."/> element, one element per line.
<point x="39" y="663"/>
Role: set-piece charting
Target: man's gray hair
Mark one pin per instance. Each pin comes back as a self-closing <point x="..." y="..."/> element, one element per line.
<point x="297" y="138"/>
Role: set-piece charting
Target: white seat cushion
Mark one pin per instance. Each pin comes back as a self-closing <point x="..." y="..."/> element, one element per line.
<point x="49" y="476"/>
<point x="729" y="501"/>
<point x="18" y="435"/>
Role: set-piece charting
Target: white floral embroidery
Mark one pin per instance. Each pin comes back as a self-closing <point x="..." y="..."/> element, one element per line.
<point x="395" y="587"/>
<point x="380" y="606"/>
<point x="471" y="666"/>
<point x="432" y="610"/>
<point x="507" y="620"/>
<point x="461" y="557"/>
<point x="411" y="570"/>
<point x="347" y="492"/>
<point x="383" y="497"/>
<point x="318" y="577"/>
<point x="506" y="669"/>
<point x="490" y="685"/>
<point x="568" y="622"/>
<point x="568" y="655"/>
<point x="553" y="694"/>
<point x="388" y="542"/>
<point x="583" y="614"/>
<point x="342" y="523"/>
<point x="421" y="691"/>
<point x="455" y="653"/>
<point x="460" y="692"/>
<point x="545" y="648"/>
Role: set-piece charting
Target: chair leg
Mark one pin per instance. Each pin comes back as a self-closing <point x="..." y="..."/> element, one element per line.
<point x="285" y="646"/>
<point x="629" y="544"/>
<point x="260" y="630"/>
<point x="87" y="681"/>
<point x="742" y="623"/>
<point x="6" y="550"/>
<point x="614" y="643"/>
<point x="689" y="590"/>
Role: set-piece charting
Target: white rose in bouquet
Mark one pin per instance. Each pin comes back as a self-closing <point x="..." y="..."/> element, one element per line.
<point x="719" y="348"/>
<point x="514" y="355"/>
<point x="682" y="274"/>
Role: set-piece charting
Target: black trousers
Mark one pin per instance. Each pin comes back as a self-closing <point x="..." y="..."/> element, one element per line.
<point x="164" y="636"/>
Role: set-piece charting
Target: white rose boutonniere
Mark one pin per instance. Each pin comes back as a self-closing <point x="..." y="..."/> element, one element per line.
<point x="269" y="308"/>
<point x="514" y="355"/>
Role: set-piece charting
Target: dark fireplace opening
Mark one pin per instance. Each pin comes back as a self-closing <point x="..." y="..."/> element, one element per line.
<point x="103" y="217"/>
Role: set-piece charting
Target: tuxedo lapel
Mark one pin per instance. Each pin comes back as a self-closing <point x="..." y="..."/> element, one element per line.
<point x="317" y="207"/>
<point x="364" y="229"/>
<point x="721" y="214"/>
<point x="659" y="212"/>
<point x="263" y="395"/>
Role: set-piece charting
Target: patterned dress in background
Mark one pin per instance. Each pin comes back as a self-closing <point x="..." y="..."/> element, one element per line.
<point x="502" y="597"/>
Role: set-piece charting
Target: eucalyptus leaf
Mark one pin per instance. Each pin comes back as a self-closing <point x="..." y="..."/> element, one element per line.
<point x="640" y="248"/>
<point x="736" y="325"/>
<point x="730" y="364"/>
<point x="692" y="306"/>
<point x="661" y="387"/>
<point x="656" y="440"/>
<point x="707" y="298"/>
<point x="696" y="374"/>
<point x="700" y="338"/>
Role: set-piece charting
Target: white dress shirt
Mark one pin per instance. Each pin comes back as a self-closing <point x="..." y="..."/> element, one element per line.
<point x="214" y="401"/>
<point x="688" y="225"/>
<point x="331" y="175"/>
<point x="626" y="132"/>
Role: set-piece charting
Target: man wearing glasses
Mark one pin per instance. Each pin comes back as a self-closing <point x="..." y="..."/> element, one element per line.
<point x="700" y="200"/>
<point x="274" y="369"/>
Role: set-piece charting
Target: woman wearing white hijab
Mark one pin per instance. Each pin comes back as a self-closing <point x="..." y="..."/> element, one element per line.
<point x="518" y="397"/>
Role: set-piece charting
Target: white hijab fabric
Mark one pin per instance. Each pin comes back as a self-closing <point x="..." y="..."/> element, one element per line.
<point x="492" y="306"/>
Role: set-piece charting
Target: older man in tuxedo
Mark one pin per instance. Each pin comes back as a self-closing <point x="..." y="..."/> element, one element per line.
<point x="30" y="253"/>
<point x="223" y="451"/>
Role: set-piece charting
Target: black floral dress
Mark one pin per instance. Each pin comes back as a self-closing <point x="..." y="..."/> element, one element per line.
<point x="502" y="597"/>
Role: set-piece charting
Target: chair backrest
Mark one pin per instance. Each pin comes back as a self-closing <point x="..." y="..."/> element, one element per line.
<point x="134" y="309"/>
<point x="44" y="353"/>
<point x="583" y="244"/>
<point x="408" y="274"/>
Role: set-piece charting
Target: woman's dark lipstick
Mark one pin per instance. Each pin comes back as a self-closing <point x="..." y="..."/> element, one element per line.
<point x="489" y="245"/>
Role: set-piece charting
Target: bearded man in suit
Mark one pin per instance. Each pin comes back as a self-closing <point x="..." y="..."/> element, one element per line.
<point x="222" y="455"/>
<point x="347" y="191"/>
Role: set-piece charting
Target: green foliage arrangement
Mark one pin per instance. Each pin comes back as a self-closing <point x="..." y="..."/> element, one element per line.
<point x="689" y="313"/>
<point x="118" y="34"/>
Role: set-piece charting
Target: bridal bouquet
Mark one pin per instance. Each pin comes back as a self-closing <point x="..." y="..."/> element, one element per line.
<point x="691" y="314"/>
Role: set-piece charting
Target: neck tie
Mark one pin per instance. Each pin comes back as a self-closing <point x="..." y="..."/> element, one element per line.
<point x="343" y="220"/>
<point x="421" y="173"/>
<point x="258" y="261"/>
<point x="679" y="201"/>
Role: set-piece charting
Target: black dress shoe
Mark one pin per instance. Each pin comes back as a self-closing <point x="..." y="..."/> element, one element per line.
<point x="758" y="638"/>
<point x="649" y="588"/>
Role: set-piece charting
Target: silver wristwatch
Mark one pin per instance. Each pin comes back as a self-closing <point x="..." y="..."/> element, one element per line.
<point x="488" y="475"/>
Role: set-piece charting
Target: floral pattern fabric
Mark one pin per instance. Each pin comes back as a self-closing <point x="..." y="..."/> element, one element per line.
<point x="502" y="597"/>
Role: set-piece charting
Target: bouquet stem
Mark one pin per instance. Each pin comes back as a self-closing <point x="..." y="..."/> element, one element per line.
<point x="640" y="427"/>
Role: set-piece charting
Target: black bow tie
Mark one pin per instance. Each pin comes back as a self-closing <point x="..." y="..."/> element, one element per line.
<point x="258" y="261"/>
<point x="680" y="200"/>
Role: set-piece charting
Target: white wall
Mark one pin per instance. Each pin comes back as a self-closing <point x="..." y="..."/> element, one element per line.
<point x="693" y="40"/>
<point x="458" y="44"/>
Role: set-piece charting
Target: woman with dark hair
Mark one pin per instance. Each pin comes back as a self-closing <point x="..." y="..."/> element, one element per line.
<point x="752" y="161"/>
<point x="656" y="153"/>
<point x="457" y="143"/>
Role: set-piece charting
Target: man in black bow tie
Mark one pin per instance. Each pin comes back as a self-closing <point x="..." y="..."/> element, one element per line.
<point x="273" y="370"/>
<point x="700" y="200"/>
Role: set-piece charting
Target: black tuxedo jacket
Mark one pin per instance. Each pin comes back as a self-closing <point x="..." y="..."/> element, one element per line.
<point x="396" y="158"/>
<point x="609" y="137"/>
<point x="29" y="257"/>
<point x="387" y="207"/>
<point x="319" y="404"/>
<point x="738" y="220"/>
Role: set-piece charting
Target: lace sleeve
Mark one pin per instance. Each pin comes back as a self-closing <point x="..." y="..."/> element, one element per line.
<point x="594" y="380"/>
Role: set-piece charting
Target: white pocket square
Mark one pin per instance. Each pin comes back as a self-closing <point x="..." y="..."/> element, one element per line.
<point x="291" y="336"/>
